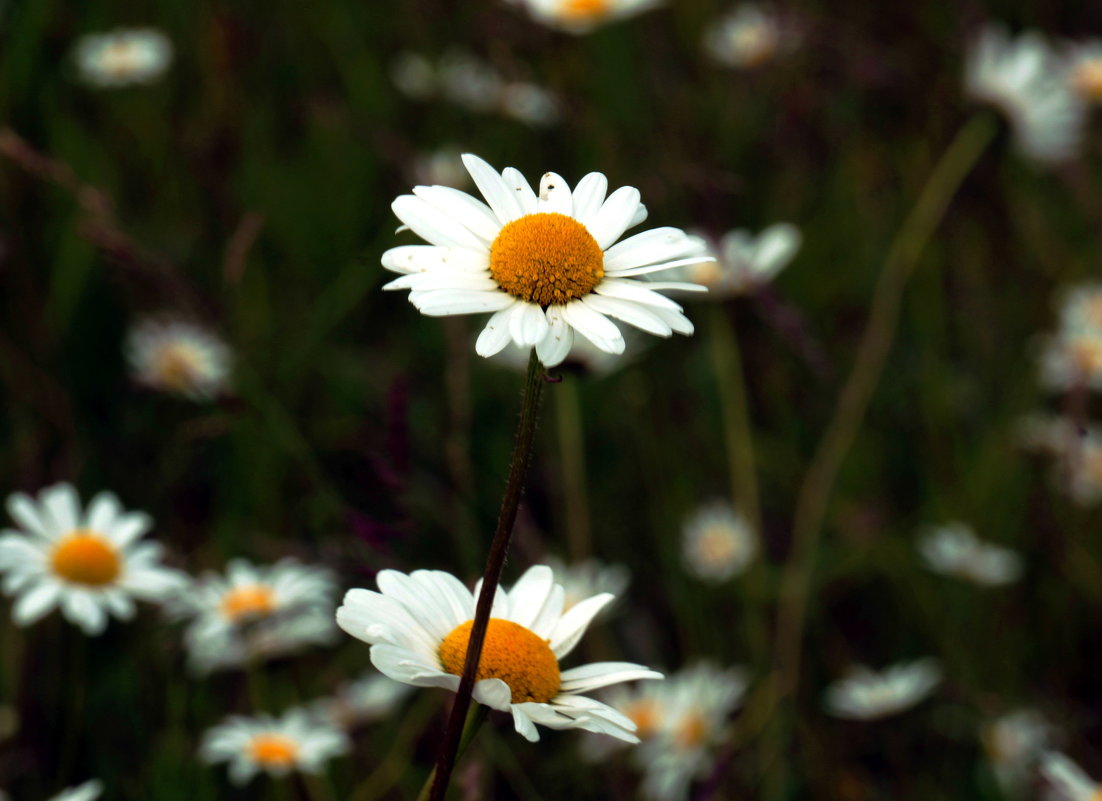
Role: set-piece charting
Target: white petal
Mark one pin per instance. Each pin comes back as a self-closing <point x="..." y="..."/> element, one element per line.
<point x="472" y="214"/>
<point x="495" y="336"/>
<point x="410" y="667"/>
<point x="602" y="674"/>
<point x="573" y="624"/>
<point x="432" y="226"/>
<point x="589" y="194"/>
<point x="555" y="195"/>
<point x="447" y="280"/>
<point x="655" y="268"/>
<point x="524" y="726"/>
<point x="650" y="247"/>
<point x="615" y="216"/>
<point x="36" y="603"/>
<point x="635" y="291"/>
<point x="528" y="324"/>
<point x="26" y="513"/>
<point x="446" y="302"/>
<point x="128" y="528"/>
<point x="501" y="198"/>
<point x="408" y="259"/>
<point x="516" y="181"/>
<point x="594" y="327"/>
<point x="530" y="593"/>
<point x="81" y="608"/>
<point x="62" y="505"/>
<point x="424" y="607"/>
<point x="633" y="313"/>
<point x="493" y="693"/>
<point x="556" y="344"/>
<point x="548" y="618"/>
<point x="777" y="244"/>
<point x="17" y="551"/>
<point x="102" y="512"/>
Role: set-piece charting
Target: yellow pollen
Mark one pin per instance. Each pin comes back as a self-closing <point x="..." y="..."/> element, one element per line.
<point x="274" y="750"/>
<point x="253" y="600"/>
<point x="644" y="714"/>
<point x="584" y="9"/>
<point x="511" y="653"/>
<point x="176" y="367"/>
<point x="1087" y="354"/>
<point x="1087" y="78"/>
<point x="692" y="731"/>
<point x="549" y="259"/>
<point x="85" y="557"/>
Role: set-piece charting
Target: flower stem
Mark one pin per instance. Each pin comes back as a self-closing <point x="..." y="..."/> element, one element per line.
<point x="518" y="469"/>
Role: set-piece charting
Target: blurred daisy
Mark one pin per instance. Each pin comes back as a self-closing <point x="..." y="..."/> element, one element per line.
<point x="953" y="549"/>
<point x="1013" y="743"/>
<point x="89" y="791"/>
<point x="123" y="57"/>
<point x="865" y="694"/>
<point x="745" y="262"/>
<point x="529" y="103"/>
<point x="748" y="36"/>
<point x="419" y="624"/>
<point x="581" y="580"/>
<point x="178" y="357"/>
<point x="90" y="564"/>
<point x="277" y="746"/>
<point x="717" y="542"/>
<point x="1081" y="307"/>
<point x="583" y="16"/>
<point x="1068" y="780"/>
<point x="1026" y="80"/>
<point x="1073" y="359"/>
<point x="367" y="699"/>
<point x="545" y="265"/>
<point x="441" y="166"/>
<point x="1077" y="450"/>
<point x="256" y="612"/>
<point x="1085" y="68"/>
<point x="468" y="81"/>
<point x="413" y="75"/>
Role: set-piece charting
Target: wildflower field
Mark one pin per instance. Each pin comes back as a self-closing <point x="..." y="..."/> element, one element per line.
<point x="543" y="399"/>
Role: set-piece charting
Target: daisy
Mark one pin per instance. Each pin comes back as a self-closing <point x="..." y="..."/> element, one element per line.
<point x="277" y="746"/>
<point x="1073" y="359"/>
<point x="1013" y="743"/>
<point x="865" y="694"/>
<point x="583" y="16"/>
<point x="413" y="75"/>
<point x="418" y="626"/>
<point x="1077" y="450"/>
<point x="1068" y="780"/>
<point x="1026" y="80"/>
<point x="530" y="104"/>
<point x="584" y="357"/>
<point x="88" y="563"/>
<point x="746" y="262"/>
<point x="589" y="577"/>
<point x="747" y="37"/>
<point x="953" y="549"/>
<point x="123" y="57"/>
<point x="178" y="357"/>
<point x="717" y="542"/>
<point x="1081" y="307"/>
<point x="369" y="698"/>
<point x="544" y="264"/>
<point x="89" y="791"/>
<point x="1085" y="68"/>
<point x="256" y="612"/>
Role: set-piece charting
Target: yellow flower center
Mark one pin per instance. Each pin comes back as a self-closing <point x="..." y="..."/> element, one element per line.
<point x="253" y="600"/>
<point x="584" y="9"/>
<point x="274" y="750"/>
<point x="1087" y="78"/>
<point x="1087" y="354"/>
<point x="692" y="731"/>
<point x="176" y="367"/>
<point x="85" y="557"/>
<point x="717" y="545"/>
<point x="549" y="259"/>
<point x="644" y="714"/>
<point x="511" y="653"/>
<point x="120" y="58"/>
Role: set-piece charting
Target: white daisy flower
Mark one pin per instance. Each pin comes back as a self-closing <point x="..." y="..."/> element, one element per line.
<point x="277" y="746"/>
<point x="1013" y="743"/>
<point x="1085" y="68"/>
<point x="584" y="356"/>
<point x="745" y="262"/>
<point x="89" y="791"/>
<point x="865" y="694"/>
<point x="1026" y="80"/>
<point x="748" y="36"/>
<point x="1073" y="359"/>
<point x="1081" y="307"/>
<point x="88" y="563"/>
<point x="468" y="81"/>
<point x="419" y="624"/>
<point x="256" y="612"/>
<point x="583" y="16"/>
<point x="954" y="549"/>
<point x="123" y="57"/>
<point x="1069" y="781"/>
<point x="367" y="699"/>
<point x="413" y="75"/>
<point x="178" y="357"/>
<point x="530" y="104"/>
<point x="1077" y="450"/>
<point x="717" y="542"/>
<point x="545" y="265"/>
<point x="589" y="577"/>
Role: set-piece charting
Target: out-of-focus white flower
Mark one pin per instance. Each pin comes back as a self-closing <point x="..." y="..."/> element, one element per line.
<point x="587" y="578"/>
<point x="369" y="698"/>
<point x="413" y="75"/>
<point x="1069" y="781"/>
<point x="468" y="81"/>
<point x="1077" y="451"/>
<point x="1028" y="81"/>
<point x="441" y="167"/>
<point x="1085" y="69"/>
<point x="583" y="16"/>
<point x="178" y="357"/>
<point x="123" y="57"/>
<point x="1013" y="743"/>
<point x="717" y="542"/>
<point x="748" y="36"/>
<point x="529" y="103"/>
<point x="89" y="563"/>
<point x="744" y="261"/>
<point x="1081" y="307"/>
<point x="89" y="791"/>
<point x="256" y="612"/>
<point x="865" y="694"/>
<point x="954" y="549"/>
<point x="295" y="741"/>
<point x="1073" y="359"/>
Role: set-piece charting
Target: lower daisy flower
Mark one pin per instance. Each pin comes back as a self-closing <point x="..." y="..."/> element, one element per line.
<point x="865" y="694"/>
<point x="419" y="624"/>
<point x="296" y="741"/>
<point x="89" y="563"/>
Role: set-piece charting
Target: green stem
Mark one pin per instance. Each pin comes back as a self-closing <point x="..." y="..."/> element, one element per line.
<point x="572" y="456"/>
<point x="475" y="717"/>
<point x="518" y="469"/>
<point x="811" y="503"/>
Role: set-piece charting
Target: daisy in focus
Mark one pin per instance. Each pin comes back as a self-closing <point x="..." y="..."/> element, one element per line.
<point x="1027" y="81"/>
<point x="747" y="37"/>
<point x="583" y="16"/>
<point x="256" y="612"/>
<point x="89" y="563"/>
<point x="744" y="261"/>
<point x="1013" y="743"/>
<point x="954" y="549"/>
<point x="89" y="791"/>
<point x="123" y="57"/>
<point x="717" y="542"/>
<point x="419" y="624"/>
<point x="296" y="741"/>
<point x="1068" y="781"/>
<point x="367" y="699"/>
<point x="865" y="694"/>
<point x="178" y="357"/>
<point x="545" y="265"/>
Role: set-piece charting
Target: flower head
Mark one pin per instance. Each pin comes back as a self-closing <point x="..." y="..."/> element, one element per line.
<point x="717" y="542"/>
<point x="295" y="741"/>
<point x="419" y="624"/>
<point x="89" y="791"/>
<point x="583" y="16"/>
<point x="178" y="357"/>
<point x="545" y="264"/>
<point x="744" y="261"/>
<point x="90" y="563"/>
<point x="123" y="57"/>
<point x="1013" y="743"/>
<point x="1069" y="781"/>
<point x="953" y="549"/>
<point x="865" y="694"/>
<point x="747" y="37"/>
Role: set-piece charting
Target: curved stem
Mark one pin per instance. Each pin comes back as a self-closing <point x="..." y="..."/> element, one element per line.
<point x="518" y="469"/>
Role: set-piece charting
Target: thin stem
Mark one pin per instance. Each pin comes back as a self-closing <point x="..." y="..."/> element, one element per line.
<point x="568" y="421"/>
<point x="518" y="469"/>
<point x="475" y="718"/>
<point x="811" y="503"/>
